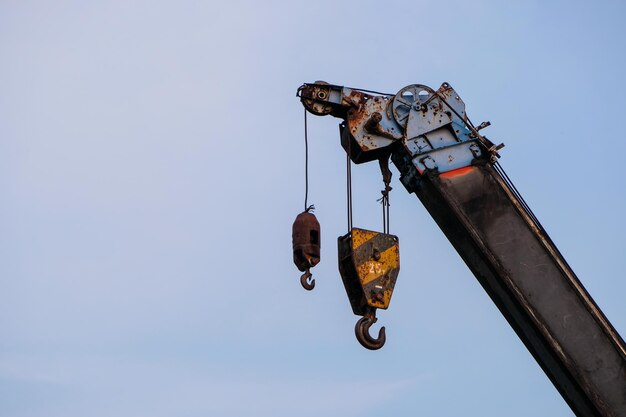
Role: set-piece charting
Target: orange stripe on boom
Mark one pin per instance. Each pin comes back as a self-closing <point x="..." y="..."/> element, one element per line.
<point x="457" y="172"/>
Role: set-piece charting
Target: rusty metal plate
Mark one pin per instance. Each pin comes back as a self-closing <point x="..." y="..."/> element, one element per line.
<point x="369" y="263"/>
<point x="306" y="240"/>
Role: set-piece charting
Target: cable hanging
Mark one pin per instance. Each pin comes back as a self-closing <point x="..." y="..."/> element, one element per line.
<point x="307" y="208"/>
<point x="384" y="200"/>
<point x="349" y="187"/>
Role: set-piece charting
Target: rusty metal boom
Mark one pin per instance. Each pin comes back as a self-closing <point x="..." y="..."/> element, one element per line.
<point x="454" y="170"/>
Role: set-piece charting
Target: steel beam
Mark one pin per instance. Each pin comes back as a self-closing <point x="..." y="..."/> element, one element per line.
<point x="523" y="272"/>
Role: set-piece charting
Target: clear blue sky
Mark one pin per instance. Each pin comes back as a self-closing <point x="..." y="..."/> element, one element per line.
<point x="151" y="167"/>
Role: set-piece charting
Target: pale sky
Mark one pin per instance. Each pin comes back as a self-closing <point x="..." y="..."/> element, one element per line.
<point x="151" y="166"/>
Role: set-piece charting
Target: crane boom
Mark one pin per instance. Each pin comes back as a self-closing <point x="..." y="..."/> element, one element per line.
<point x="453" y="170"/>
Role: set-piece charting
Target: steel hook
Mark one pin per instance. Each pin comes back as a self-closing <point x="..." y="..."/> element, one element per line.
<point x="307" y="283"/>
<point x="361" y="330"/>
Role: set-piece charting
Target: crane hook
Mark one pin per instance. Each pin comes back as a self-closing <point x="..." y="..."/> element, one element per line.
<point x="304" y="280"/>
<point x="361" y="330"/>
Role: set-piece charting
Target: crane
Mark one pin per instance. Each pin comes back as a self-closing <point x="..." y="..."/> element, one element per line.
<point x="455" y="172"/>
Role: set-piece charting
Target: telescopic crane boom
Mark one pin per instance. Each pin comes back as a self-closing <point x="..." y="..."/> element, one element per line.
<point x="454" y="171"/>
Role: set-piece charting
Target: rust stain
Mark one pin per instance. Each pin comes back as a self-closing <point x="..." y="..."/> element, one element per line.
<point x="306" y="241"/>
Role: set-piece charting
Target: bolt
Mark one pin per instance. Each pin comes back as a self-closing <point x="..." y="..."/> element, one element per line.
<point x="376" y="255"/>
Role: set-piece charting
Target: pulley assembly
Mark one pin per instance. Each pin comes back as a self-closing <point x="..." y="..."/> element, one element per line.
<point x="369" y="263"/>
<point x="306" y="246"/>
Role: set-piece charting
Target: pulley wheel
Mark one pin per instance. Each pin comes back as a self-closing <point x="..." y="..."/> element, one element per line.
<point x="320" y="91"/>
<point x="411" y="96"/>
